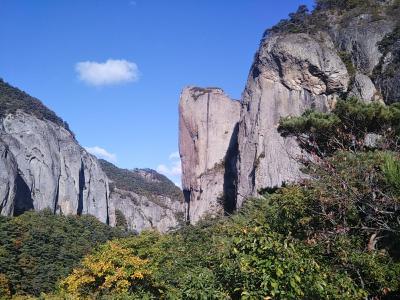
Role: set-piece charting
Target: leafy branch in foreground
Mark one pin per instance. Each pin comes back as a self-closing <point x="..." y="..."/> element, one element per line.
<point x="352" y="126"/>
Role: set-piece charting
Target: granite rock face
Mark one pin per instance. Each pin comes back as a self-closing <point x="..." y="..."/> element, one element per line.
<point x="360" y="39"/>
<point x="141" y="212"/>
<point x="387" y="77"/>
<point x="291" y="73"/>
<point x="208" y="147"/>
<point x="43" y="167"/>
<point x="363" y="88"/>
<point x="52" y="170"/>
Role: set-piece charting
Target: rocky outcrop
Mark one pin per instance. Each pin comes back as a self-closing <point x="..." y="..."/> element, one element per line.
<point x="208" y="147"/>
<point x="291" y="73"/>
<point x="52" y="170"/>
<point x="363" y="88"/>
<point x="360" y="38"/>
<point x="143" y="199"/>
<point x="141" y="212"/>
<point x="386" y="73"/>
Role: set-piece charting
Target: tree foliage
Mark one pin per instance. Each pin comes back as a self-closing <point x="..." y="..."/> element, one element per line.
<point x="37" y="249"/>
<point x="334" y="236"/>
<point x="112" y="269"/>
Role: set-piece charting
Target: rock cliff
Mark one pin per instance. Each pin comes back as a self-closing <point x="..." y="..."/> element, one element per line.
<point x="42" y="166"/>
<point x="308" y="61"/>
<point x="291" y="73"/>
<point x="208" y="147"/>
<point x="142" y="199"/>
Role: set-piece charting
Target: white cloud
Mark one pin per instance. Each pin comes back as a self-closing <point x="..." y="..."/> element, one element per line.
<point x="113" y="71"/>
<point x="102" y="153"/>
<point x="172" y="169"/>
<point x="174" y="155"/>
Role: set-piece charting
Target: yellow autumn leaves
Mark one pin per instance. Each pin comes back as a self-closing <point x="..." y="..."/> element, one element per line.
<point x="112" y="268"/>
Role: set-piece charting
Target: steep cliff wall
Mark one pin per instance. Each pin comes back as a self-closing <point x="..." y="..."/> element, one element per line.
<point x="341" y="49"/>
<point x="208" y="147"/>
<point x="42" y="166"/>
<point x="291" y="73"/>
<point x="47" y="169"/>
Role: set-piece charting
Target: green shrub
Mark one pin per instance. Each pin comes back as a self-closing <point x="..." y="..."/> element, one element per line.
<point x="308" y="241"/>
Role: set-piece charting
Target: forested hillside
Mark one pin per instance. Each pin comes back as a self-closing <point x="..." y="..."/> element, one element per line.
<point x="39" y="248"/>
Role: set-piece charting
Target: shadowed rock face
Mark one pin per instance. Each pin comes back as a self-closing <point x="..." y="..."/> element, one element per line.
<point x="8" y="177"/>
<point x="208" y="137"/>
<point x="360" y="38"/>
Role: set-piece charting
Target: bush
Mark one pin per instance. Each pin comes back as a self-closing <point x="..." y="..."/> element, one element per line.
<point x="391" y="169"/>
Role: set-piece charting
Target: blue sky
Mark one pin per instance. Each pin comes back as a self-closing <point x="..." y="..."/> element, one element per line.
<point x="114" y="69"/>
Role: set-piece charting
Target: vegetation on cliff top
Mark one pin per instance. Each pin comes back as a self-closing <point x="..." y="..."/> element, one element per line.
<point x="12" y="99"/>
<point x="144" y="182"/>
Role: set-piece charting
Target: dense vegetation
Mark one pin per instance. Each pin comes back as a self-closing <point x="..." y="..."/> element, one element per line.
<point x="144" y="182"/>
<point x="335" y="235"/>
<point x="12" y="99"/>
<point x="39" y="248"/>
